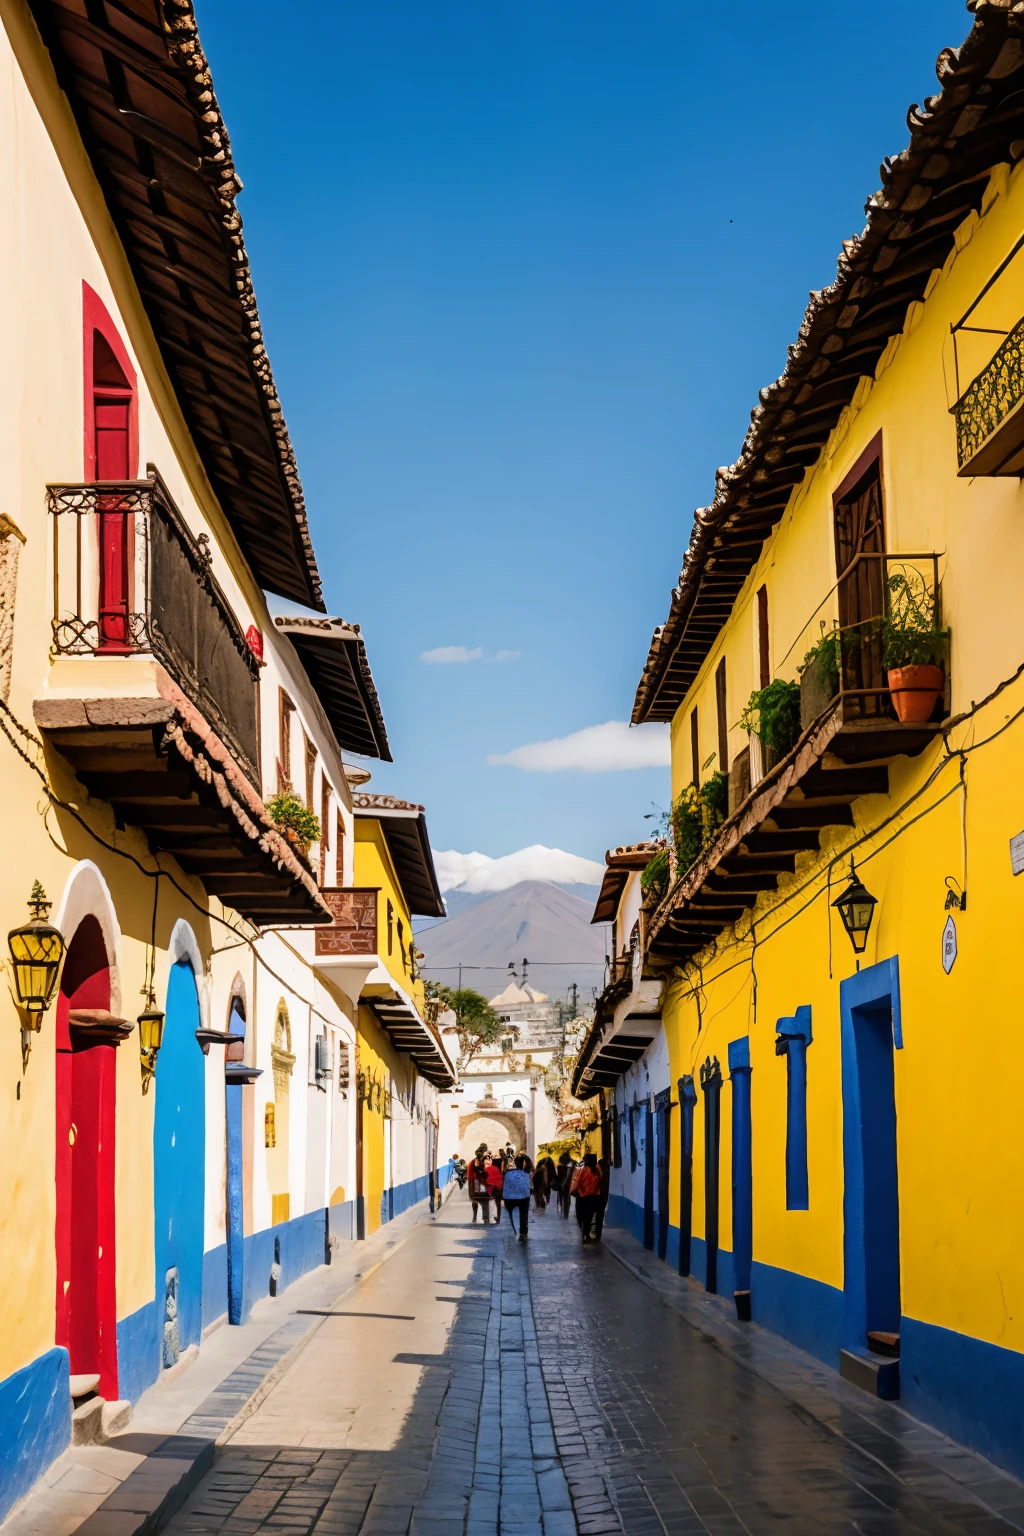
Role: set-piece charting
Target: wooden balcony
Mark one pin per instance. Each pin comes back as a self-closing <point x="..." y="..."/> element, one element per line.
<point x="842" y="755"/>
<point x="129" y="579"/>
<point x="353" y="930"/>
<point x="151" y="697"/>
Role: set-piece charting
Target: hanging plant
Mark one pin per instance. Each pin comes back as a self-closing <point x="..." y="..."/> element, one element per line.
<point x="772" y="714"/>
<point x="696" y="816"/>
<point x="299" y="824"/>
<point x="654" y="876"/>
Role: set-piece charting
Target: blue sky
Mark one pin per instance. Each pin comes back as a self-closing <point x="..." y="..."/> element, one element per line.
<point x="522" y="267"/>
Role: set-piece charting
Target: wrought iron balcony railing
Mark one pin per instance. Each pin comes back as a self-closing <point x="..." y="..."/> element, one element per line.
<point x="129" y="578"/>
<point x="354" y="930"/>
<point x="887" y="603"/>
<point x="990" y="414"/>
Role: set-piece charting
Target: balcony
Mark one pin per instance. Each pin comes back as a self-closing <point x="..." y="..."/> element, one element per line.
<point x="850" y="732"/>
<point x="152" y="695"/>
<point x="626" y="1019"/>
<point x="353" y="930"/>
<point x="129" y="579"/>
<point x="989" y="415"/>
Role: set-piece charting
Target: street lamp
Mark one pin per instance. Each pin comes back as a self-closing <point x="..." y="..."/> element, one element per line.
<point x="856" y="907"/>
<point x="37" y="949"/>
<point x="151" y="1035"/>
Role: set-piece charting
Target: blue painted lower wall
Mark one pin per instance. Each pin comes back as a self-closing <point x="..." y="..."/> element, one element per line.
<point x="623" y="1212"/>
<point x="969" y="1389"/>
<point x="402" y="1197"/>
<point x="806" y="1312"/>
<point x="139" y="1340"/>
<point x="35" y="1423"/>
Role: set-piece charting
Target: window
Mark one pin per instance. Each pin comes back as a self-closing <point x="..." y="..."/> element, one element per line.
<point x="722" y="704"/>
<point x="391" y="927"/>
<point x="285" y="711"/>
<point x="694" y="749"/>
<point x="401" y="943"/>
<point x="792" y="1039"/>
<point x="310" y="764"/>
<point x="339" y="850"/>
<point x="859" y="522"/>
<point x="111" y="453"/>
<point x="325" y="824"/>
<point x="764" y="670"/>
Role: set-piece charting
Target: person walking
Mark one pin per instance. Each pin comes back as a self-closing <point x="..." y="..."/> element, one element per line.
<point x="566" y="1168"/>
<point x="495" y="1177"/>
<point x="480" y="1184"/>
<point x="543" y="1181"/>
<point x="604" y="1169"/>
<point x="516" y="1195"/>
<point x="588" y="1195"/>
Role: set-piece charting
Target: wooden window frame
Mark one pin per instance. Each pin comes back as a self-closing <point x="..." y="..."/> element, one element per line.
<point x="285" y="713"/>
<point x="695" y="747"/>
<point x="764" y="667"/>
<point x="722" y="712"/>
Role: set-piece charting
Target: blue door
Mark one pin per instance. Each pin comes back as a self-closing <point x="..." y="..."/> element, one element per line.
<point x="871" y="1030"/>
<point x="742" y="1175"/>
<point x="179" y="1164"/>
<point x="235" y="1233"/>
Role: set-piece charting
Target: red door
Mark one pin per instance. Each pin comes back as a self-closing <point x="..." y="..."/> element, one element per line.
<point x="86" y="1315"/>
<point x="110" y="416"/>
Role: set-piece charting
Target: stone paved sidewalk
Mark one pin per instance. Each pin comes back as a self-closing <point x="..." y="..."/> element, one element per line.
<point x="178" y="1417"/>
<point x="474" y="1386"/>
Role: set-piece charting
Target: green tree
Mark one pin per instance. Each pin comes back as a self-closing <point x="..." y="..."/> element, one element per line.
<point x="477" y="1023"/>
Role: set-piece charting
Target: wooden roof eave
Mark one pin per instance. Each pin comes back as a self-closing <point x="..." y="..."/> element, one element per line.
<point x="927" y="191"/>
<point x="169" y="107"/>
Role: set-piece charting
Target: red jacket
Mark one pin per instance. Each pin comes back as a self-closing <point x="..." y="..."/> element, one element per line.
<point x="589" y="1182"/>
<point x="495" y="1178"/>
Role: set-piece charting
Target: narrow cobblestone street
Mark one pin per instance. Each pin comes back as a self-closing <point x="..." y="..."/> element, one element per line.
<point x="474" y="1385"/>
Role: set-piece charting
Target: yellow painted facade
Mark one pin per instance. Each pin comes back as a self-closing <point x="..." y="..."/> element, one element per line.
<point x="945" y="823"/>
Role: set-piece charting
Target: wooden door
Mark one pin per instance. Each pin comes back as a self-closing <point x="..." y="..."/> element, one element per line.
<point x="860" y="569"/>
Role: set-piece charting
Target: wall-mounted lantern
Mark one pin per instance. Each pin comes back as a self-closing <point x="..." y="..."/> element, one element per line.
<point x="37" y="949"/>
<point x="151" y="1035"/>
<point x="856" y="906"/>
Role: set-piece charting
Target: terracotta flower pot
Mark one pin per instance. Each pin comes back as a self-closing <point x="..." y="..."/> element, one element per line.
<point x="915" y="691"/>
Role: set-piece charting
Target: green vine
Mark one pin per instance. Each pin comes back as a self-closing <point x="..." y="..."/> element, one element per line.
<point x="772" y="714"/>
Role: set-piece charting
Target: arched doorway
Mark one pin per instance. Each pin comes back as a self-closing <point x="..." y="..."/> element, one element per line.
<point x="179" y="1166"/>
<point x="282" y="1060"/>
<point x="86" y="1308"/>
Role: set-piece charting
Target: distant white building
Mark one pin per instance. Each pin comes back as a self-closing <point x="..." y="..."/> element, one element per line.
<point x="509" y="1089"/>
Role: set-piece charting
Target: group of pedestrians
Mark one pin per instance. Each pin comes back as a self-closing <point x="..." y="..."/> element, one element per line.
<point x="509" y="1178"/>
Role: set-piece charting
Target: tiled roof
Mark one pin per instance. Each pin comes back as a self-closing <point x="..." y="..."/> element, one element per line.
<point x="957" y="137"/>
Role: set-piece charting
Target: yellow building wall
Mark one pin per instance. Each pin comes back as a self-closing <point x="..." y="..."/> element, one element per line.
<point x="373" y="867"/>
<point x="961" y="1157"/>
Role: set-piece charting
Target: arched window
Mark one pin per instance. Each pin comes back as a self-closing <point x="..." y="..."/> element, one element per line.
<point x="517" y="1103"/>
<point x="111" y="453"/>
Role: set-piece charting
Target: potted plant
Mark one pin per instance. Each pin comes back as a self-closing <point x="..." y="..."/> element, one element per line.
<point x="299" y="824"/>
<point x="772" y="714"/>
<point x="914" y="647"/>
<point x="820" y="674"/>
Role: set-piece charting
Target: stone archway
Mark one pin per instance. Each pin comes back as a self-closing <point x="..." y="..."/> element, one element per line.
<point x="493" y="1126"/>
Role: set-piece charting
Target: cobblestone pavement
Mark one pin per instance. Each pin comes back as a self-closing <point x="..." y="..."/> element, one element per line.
<point x="477" y="1387"/>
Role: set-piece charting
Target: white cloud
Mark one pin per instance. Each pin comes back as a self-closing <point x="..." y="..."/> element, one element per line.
<point x="442" y="654"/>
<point x="445" y="654"/>
<point x="596" y="749"/>
<point x="475" y="872"/>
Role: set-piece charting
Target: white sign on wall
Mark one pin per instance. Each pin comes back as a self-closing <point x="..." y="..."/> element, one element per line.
<point x="948" y="944"/>
<point x="1017" y="853"/>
